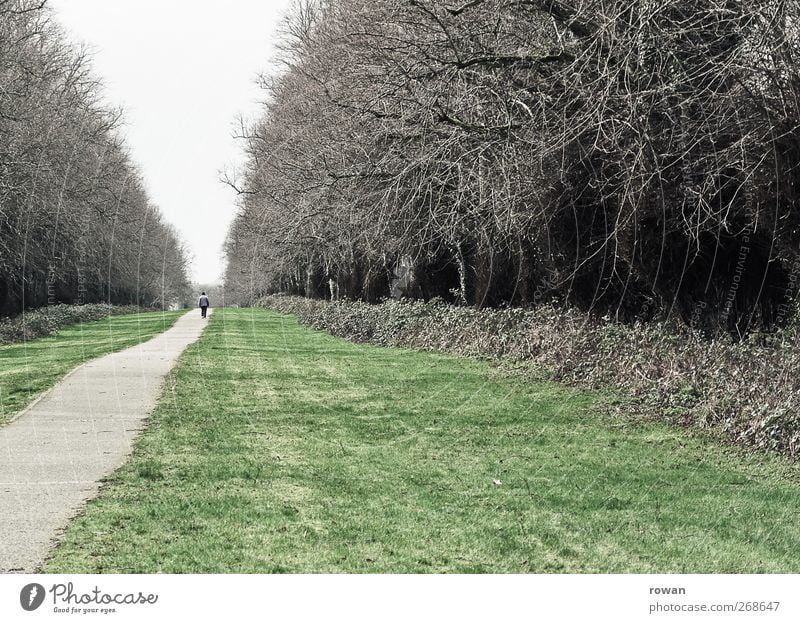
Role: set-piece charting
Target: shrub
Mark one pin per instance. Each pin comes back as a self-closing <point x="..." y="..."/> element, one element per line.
<point x="46" y="320"/>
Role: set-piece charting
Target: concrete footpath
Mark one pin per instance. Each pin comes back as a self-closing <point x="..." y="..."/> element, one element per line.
<point x="55" y="453"/>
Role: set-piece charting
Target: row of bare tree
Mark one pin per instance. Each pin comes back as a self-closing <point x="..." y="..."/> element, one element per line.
<point x="636" y="159"/>
<point x="76" y="225"/>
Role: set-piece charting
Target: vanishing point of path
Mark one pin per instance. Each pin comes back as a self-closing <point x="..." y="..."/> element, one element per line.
<point x="55" y="453"/>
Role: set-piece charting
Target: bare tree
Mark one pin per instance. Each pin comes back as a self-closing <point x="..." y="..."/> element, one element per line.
<point x="76" y="224"/>
<point x="634" y="159"/>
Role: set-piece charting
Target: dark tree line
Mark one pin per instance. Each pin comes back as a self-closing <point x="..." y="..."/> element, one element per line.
<point x="76" y="224"/>
<point x="636" y="159"/>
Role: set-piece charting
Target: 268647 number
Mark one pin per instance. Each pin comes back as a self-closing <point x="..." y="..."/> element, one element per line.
<point x="757" y="606"/>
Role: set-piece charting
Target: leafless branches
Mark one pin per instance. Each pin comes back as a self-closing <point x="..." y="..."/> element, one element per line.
<point x="614" y="155"/>
<point x="76" y="224"/>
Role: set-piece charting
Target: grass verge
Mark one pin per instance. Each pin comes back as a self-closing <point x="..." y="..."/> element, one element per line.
<point x="29" y="368"/>
<point x="280" y="449"/>
<point x="748" y="391"/>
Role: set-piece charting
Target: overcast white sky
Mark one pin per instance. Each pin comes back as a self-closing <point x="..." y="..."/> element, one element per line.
<point x="183" y="71"/>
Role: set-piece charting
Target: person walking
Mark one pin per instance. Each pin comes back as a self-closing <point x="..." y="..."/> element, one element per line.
<point x="203" y="302"/>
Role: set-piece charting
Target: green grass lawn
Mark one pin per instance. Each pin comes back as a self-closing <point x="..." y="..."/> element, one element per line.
<point x="27" y="369"/>
<point x="281" y="449"/>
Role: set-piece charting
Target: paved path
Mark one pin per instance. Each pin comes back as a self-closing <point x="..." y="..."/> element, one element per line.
<point x="53" y="456"/>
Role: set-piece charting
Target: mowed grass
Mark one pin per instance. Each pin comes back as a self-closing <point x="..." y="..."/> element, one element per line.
<point x="28" y="369"/>
<point x="281" y="449"/>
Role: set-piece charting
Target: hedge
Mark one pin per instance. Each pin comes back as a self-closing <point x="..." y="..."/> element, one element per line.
<point x="47" y="320"/>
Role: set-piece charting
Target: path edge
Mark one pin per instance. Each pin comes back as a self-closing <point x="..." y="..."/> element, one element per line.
<point x="46" y="392"/>
<point x="104" y="482"/>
